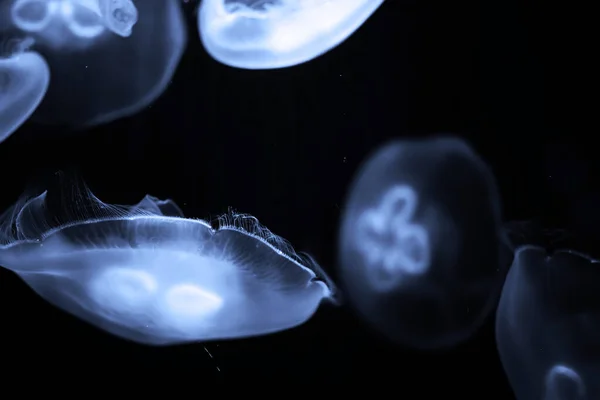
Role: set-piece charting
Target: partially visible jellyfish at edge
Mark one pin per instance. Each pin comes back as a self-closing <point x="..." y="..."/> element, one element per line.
<point x="24" y="80"/>
<point x="147" y="274"/>
<point x="108" y="76"/>
<point x="547" y="323"/>
<point x="420" y="253"/>
<point x="268" y="34"/>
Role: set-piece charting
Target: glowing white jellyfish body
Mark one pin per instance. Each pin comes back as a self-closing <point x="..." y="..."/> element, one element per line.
<point x="419" y="248"/>
<point x="84" y="18"/>
<point x="265" y="34"/>
<point x="149" y="275"/>
<point x="547" y="325"/>
<point x="24" y="79"/>
<point x="112" y="57"/>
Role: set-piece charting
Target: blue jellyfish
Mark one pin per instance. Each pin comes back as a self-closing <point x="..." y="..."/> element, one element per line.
<point x="24" y="79"/>
<point x="83" y="18"/>
<point x="420" y="251"/>
<point x="267" y="34"/>
<point x="547" y="323"/>
<point x="147" y="274"/>
<point x="112" y="57"/>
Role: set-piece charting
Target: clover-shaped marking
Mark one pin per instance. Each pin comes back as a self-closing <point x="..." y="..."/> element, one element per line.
<point x="391" y="245"/>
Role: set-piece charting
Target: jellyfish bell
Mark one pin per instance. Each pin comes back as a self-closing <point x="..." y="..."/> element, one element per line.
<point x="420" y="254"/>
<point x="24" y="80"/>
<point x="107" y="76"/>
<point x="268" y="34"/>
<point x="147" y="274"/>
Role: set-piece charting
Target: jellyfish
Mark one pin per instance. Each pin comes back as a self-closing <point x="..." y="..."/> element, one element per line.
<point x="83" y="18"/>
<point x="24" y="79"/>
<point x="269" y="34"/>
<point x="112" y="57"/>
<point x="147" y="274"/>
<point x="547" y="323"/>
<point x="420" y="251"/>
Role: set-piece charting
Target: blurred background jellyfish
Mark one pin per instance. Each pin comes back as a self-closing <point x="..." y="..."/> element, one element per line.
<point x="266" y="34"/>
<point x="147" y="274"/>
<point x="547" y="325"/>
<point x="112" y="57"/>
<point x="420" y="252"/>
<point x="24" y="79"/>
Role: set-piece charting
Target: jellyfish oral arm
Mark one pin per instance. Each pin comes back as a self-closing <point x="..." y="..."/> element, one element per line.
<point x="118" y="15"/>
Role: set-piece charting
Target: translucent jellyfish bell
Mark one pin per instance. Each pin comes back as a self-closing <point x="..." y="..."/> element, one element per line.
<point x="265" y="34"/>
<point x="149" y="275"/>
<point x="24" y="79"/>
<point x="107" y="75"/>
<point x="419" y="248"/>
<point x="83" y="18"/>
<point x="547" y="325"/>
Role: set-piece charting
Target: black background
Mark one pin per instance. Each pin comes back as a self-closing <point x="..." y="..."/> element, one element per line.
<point x="284" y="145"/>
